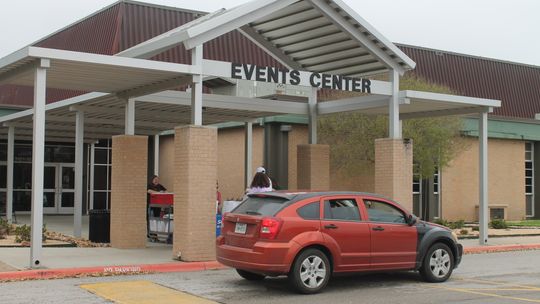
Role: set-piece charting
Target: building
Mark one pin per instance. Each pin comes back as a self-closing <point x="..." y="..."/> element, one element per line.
<point x="277" y="140"/>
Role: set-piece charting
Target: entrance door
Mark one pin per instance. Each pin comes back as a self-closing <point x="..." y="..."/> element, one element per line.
<point x="58" y="189"/>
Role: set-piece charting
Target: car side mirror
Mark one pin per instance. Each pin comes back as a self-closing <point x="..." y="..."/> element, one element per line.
<point x="411" y="219"/>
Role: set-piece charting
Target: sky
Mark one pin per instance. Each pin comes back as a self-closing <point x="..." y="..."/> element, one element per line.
<point x="499" y="29"/>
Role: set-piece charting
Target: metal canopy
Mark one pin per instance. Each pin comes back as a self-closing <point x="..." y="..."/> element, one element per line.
<point x="91" y="72"/>
<point x="105" y="113"/>
<point x="313" y="35"/>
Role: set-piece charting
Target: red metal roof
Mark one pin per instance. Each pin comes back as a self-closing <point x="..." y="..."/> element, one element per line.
<point x="516" y="85"/>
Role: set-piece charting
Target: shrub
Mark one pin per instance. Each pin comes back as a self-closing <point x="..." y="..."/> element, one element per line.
<point x="5" y="228"/>
<point x="456" y="225"/>
<point x="475" y="228"/>
<point x="441" y="222"/>
<point x="498" y="224"/>
<point x="23" y="233"/>
<point x="464" y="231"/>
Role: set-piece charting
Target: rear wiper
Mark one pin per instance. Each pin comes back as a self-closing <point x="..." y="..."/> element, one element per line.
<point x="253" y="212"/>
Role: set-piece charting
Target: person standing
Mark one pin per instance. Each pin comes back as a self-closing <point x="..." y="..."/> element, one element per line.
<point x="260" y="183"/>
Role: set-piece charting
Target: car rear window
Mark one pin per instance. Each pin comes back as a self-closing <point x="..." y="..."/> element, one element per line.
<point x="257" y="205"/>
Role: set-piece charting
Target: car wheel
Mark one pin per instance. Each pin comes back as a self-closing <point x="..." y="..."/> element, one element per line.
<point x="250" y="276"/>
<point x="438" y="263"/>
<point x="310" y="271"/>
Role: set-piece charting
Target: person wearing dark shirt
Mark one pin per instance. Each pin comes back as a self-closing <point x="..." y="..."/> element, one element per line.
<point x="154" y="186"/>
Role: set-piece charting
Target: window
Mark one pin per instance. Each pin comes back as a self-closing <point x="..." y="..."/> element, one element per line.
<point x="260" y="205"/>
<point x="383" y="212"/>
<point x="100" y="171"/>
<point x="529" y="179"/>
<point x="310" y="211"/>
<point x="341" y="209"/>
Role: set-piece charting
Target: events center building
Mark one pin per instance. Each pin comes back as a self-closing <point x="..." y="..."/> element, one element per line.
<point x="138" y="89"/>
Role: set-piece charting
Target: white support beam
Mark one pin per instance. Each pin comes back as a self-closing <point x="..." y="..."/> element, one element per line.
<point x="248" y="149"/>
<point x="9" y="177"/>
<point x="353" y="104"/>
<point x="312" y="117"/>
<point x="79" y="150"/>
<point x="130" y="117"/>
<point x="197" y="87"/>
<point x="445" y="112"/>
<point x="156" y="154"/>
<point x="483" y="178"/>
<point x="393" y="107"/>
<point x="38" y="151"/>
<point x="357" y="35"/>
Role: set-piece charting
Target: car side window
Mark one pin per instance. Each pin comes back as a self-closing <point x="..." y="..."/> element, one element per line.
<point x="341" y="209"/>
<point x="384" y="212"/>
<point x="310" y="211"/>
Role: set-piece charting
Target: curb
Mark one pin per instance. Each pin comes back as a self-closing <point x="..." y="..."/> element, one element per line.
<point x="39" y="274"/>
<point x="499" y="248"/>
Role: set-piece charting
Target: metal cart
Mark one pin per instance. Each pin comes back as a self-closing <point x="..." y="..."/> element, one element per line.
<point x="160" y="217"/>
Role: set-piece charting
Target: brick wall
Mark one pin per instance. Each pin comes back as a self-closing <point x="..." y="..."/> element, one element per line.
<point x="506" y="180"/>
<point x="128" y="191"/>
<point x="231" y="155"/>
<point x="313" y="167"/>
<point x="195" y="174"/>
<point x="297" y="136"/>
<point x="394" y="170"/>
<point x="166" y="161"/>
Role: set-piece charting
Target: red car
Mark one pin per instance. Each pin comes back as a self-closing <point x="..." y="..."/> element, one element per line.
<point x="311" y="235"/>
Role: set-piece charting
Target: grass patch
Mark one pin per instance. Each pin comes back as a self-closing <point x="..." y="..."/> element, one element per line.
<point x="527" y="223"/>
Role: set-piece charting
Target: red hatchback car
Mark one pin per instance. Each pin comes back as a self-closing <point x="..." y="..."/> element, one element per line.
<point x="311" y="235"/>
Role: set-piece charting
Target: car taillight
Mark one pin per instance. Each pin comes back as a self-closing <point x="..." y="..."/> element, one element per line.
<point x="270" y="228"/>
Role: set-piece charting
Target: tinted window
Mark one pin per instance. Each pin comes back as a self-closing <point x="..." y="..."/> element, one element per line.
<point x="260" y="205"/>
<point x="341" y="209"/>
<point x="383" y="212"/>
<point x="310" y="211"/>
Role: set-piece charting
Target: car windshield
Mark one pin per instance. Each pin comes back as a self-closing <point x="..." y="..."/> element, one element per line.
<point x="260" y="205"/>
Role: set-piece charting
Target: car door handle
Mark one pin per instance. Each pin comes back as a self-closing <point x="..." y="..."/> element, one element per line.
<point x="378" y="228"/>
<point x="331" y="226"/>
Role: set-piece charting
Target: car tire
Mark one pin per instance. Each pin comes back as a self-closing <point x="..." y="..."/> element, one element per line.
<point x="310" y="271"/>
<point x="250" y="276"/>
<point x="438" y="263"/>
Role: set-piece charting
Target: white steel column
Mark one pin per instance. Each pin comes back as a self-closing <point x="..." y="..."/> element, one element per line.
<point x="130" y="117"/>
<point x="197" y="87"/>
<point x="9" y="186"/>
<point x="393" y="109"/>
<point x="38" y="151"/>
<point x="156" y="154"/>
<point x="312" y="110"/>
<point x="92" y="162"/>
<point x="248" y="159"/>
<point x="483" y="182"/>
<point x="79" y="154"/>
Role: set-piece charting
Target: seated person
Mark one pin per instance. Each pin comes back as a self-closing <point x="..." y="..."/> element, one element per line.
<point x="154" y="186"/>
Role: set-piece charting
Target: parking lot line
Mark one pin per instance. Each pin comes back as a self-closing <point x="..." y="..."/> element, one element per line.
<point x="489" y="282"/>
<point x="472" y="291"/>
<point x="142" y="292"/>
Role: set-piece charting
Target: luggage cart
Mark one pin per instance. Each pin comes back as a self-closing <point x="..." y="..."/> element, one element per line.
<point x="160" y="217"/>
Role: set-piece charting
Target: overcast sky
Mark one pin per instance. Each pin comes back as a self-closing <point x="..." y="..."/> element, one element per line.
<point x="506" y="30"/>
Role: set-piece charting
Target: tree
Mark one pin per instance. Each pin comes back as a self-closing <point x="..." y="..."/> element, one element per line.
<point x="351" y="136"/>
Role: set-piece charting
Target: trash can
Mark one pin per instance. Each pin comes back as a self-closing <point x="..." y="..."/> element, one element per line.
<point x="99" y="226"/>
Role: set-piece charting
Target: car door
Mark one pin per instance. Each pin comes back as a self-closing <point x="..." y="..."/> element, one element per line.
<point x="393" y="241"/>
<point x="344" y="231"/>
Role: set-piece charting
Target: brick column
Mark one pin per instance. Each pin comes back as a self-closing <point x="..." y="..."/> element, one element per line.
<point x="195" y="175"/>
<point x="128" y="191"/>
<point x="313" y="167"/>
<point x="394" y="170"/>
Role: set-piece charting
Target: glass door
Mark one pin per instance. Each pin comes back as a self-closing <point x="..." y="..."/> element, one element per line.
<point x="50" y="182"/>
<point x="66" y="191"/>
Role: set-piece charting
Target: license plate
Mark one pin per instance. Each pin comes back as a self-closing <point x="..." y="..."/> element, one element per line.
<point x="240" y="228"/>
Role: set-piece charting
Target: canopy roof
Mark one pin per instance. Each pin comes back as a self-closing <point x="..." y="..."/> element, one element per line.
<point x="317" y="35"/>
<point x="291" y="30"/>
